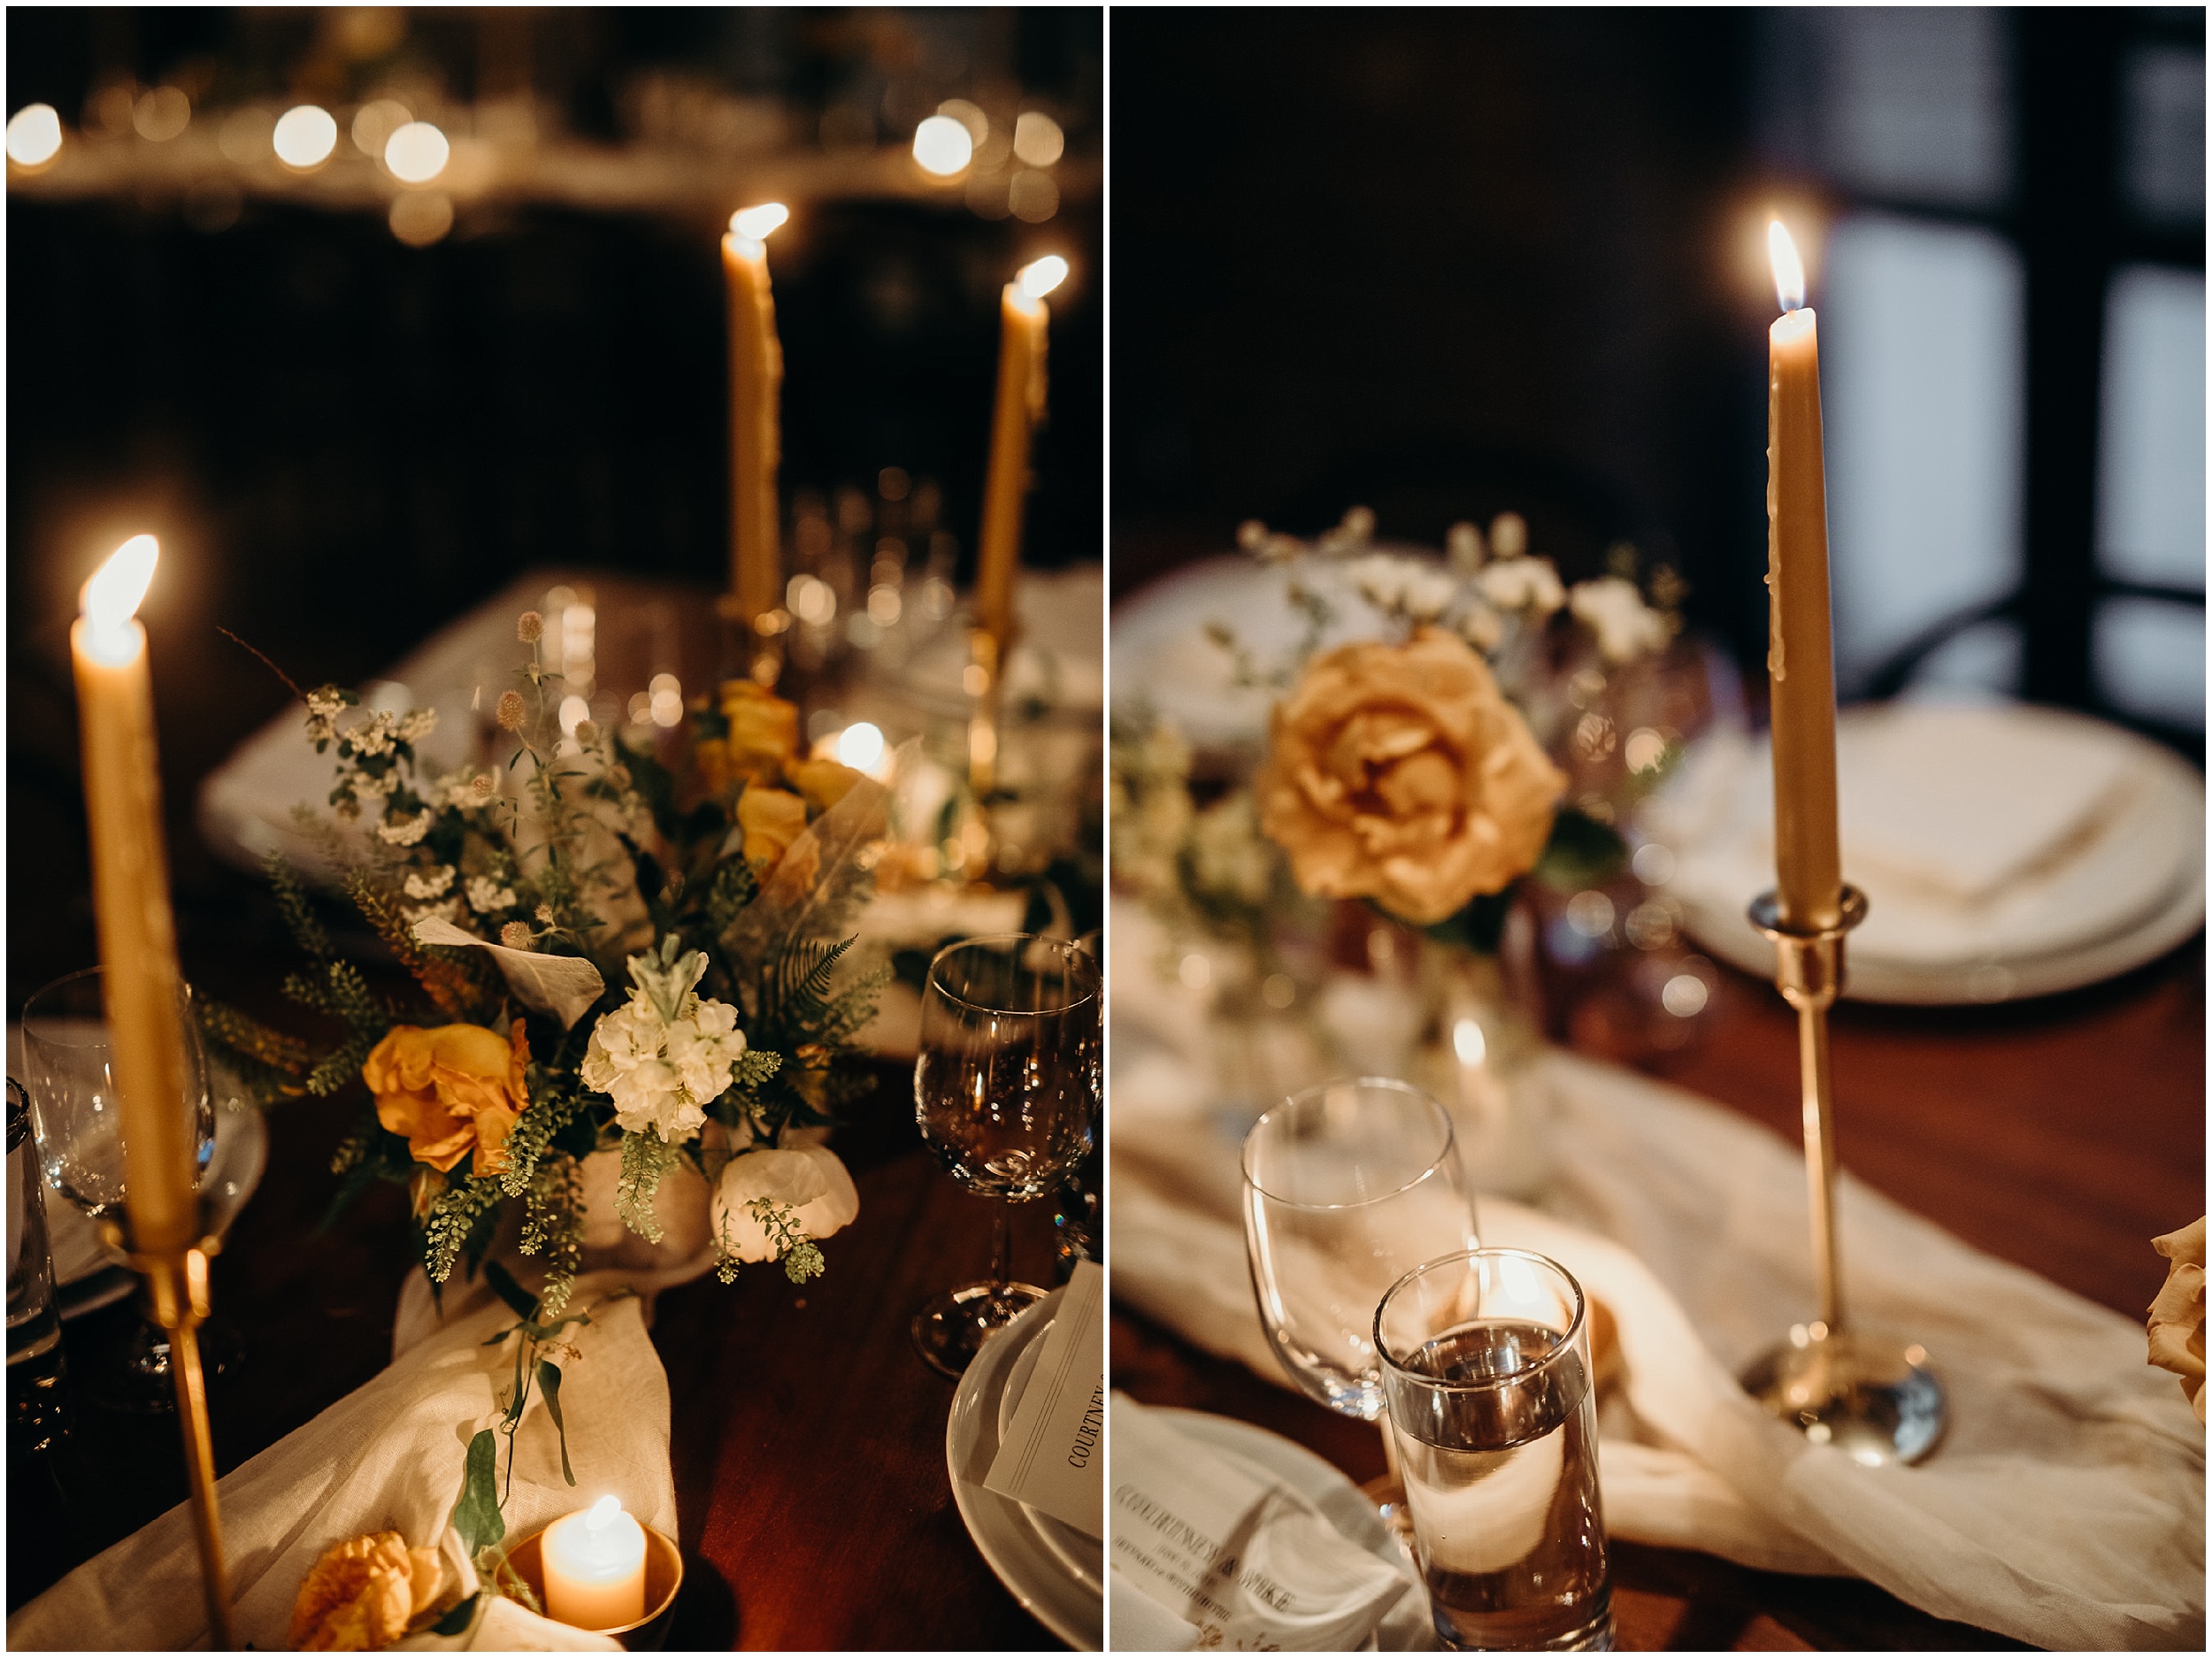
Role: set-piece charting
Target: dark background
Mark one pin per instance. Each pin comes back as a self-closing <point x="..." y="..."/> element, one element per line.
<point x="343" y="442"/>
<point x="1444" y="262"/>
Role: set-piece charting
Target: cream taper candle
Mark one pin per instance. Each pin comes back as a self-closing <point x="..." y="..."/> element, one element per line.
<point x="1808" y="863"/>
<point x="755" y="429"/>
<point x="130" y="892"/>
<point x="1023" y="317"/>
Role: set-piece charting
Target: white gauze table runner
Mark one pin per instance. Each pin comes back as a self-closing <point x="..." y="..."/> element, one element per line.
<point x="388" y="1457"/>
<point x="2065" y="1506"/>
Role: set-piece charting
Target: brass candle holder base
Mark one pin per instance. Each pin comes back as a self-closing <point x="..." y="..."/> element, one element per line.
<point x="176" y="1289"/>
<point x="1872" y="1396"/>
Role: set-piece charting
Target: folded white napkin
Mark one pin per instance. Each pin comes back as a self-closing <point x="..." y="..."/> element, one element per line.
<point x="1228" y="1558"/>
<point x="388" y="1457"/>
<point x="2065" y="1508"/>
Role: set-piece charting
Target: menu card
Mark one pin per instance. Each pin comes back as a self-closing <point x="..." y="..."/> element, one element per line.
<point x="1053" y="1457"/>
<point x="1243" y="1561"/>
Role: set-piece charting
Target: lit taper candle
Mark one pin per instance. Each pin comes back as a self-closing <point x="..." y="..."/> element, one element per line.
<point x="1808" y="863"/>
<point x="130" y="891"/>
<point x="1023" y="317"/>
<point x="755" y="429"/>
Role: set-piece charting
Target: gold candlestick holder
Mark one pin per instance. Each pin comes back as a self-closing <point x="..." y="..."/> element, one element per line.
<point x="176" y="1287"/>
<point x="1871" y="1396"/>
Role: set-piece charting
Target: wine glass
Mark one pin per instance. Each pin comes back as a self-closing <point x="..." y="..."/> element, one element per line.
<point x="77" y="1115"/>
<point x="1347" y="1186"/>
<point x="1006" y="1092"/>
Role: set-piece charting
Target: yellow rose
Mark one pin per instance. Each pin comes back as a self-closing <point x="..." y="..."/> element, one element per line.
<point x="452" y="1091"/>
<point x="363" y="1594"/>
<point x="823" y="782"/>
<point x="1401" y="773"/>
<point x="771" y="819"/>
<point x="763" y="728"/>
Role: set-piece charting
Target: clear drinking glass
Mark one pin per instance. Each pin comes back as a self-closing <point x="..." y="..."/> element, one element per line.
<point x="76" y="1112"/>
<point x="38" y="1390"/>
<point x="1347" y="1188"/>
<point x="1078" y="1222"/>
<point x="1006" y="1094"/>
<point x="1485" y="1363"/>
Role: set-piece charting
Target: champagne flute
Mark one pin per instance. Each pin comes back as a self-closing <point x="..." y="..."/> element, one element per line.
<point x="1347" y="1186"/>
<point x="1006" y="1094"/>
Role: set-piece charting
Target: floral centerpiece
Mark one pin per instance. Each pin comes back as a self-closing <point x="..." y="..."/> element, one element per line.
<point x="607" y="957"/>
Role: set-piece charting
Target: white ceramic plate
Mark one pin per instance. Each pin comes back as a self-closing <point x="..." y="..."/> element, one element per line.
<point x="2131" y="892"/>
<point x="1269" y="1457"/>
<point x="1006" y="1532"/>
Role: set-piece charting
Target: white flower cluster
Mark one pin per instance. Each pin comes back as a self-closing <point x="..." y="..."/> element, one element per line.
<point x="1626" y="626"/>
<point x="1403" y="586"/>
<point x="430" y="883"/>
<point x="1522" y="583"/>
<point x="666" y="1053"/>
<point x="487" y="896"/>
<point x="404" y="830"/>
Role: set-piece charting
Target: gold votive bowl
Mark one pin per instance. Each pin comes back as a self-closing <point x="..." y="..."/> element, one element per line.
<point x="663" y="1578"/>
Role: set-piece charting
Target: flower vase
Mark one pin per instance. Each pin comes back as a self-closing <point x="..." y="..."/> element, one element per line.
<point x="1478" y="1059"/>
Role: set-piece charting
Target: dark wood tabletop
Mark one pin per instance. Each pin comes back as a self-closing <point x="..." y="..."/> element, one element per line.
<point x="2061" y="1134"/>
<point x="808" y="1437"/>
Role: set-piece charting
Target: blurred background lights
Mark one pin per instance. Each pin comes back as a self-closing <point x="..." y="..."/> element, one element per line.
<point x="574" y="712"/>
<point x="667" y="701"/>
<point x="860" y="746"/>
<point x="1032" y="196"/>
<point x="417" y="153"/>
<point x="942" y="146"/>
<point x="758" y="223"/>
<point x="421" y="217"/>
<point x="1468" y="1042"/>
<point x="968" y="115"/>
<point x="34" y="135"/>
<point x="375" y="122"/>
<point x="162" y="114"/>
<point x="1038" y="140"/>
<point x="246" y="135"/>
<point x="304" y="136"/>
<point x="1040" y="278"/>
<point x="1684" y="995"/>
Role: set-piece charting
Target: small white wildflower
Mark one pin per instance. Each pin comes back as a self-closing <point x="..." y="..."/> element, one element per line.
<point x="1614" y="611"/>
<point x="404" y="832"/>
<point x="324" y="703"/>
<point x="368" y="785"/>
<point x="1356" y="530"/>
<point x="1462" y="545"/>
<point x="418" y="724"/>
<point x="372" y="736"/>
<point x="515" y="935"/>
<point x="450" y="910"/>
<point x="1509" y="535"/>
<point x="1251" y="535"/>
<point x="545" y="914"/>
<point x="432" y="885"/>
<point x="486" y="896"/>
<point x="1427" y="593"/>
<point x="1521" y="584"/>
<point x="1380" y="579"/>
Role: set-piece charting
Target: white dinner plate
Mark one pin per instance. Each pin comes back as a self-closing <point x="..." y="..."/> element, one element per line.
<point x="1007" y="1533"/>
<point x="1269" y="1458"/>
<point x="2130" y="888"/>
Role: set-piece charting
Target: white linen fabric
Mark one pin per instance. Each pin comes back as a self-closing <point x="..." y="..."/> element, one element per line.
<point x="2065" y="1506"/>
<point x="389" y="1456"/>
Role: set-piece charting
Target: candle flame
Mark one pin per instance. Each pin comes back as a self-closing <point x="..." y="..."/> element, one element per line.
<point x="756" y="223"/>
<point x="113" y="595"/>
<point x="1041" y="278"/>
<point x="1789" y="270"/>
<point x="603" y="1514"/>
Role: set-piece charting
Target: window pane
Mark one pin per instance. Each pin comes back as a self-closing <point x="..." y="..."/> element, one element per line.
<point x="2161" y="157"/>
<point x="2150" y="660"/>
<point x="1920" y="344"/>
<point x="2150" y="468"/>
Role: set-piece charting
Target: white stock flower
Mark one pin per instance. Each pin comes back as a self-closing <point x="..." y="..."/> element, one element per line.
<point x="450" y="910"/>
<point x="404" y="832"/>
<point x="486" y="896"/>
<point x="1613" y="609"/>
<point x="1521" y="584"/>
<point x="369" y="786"/>
<point x="432" y="884"/>
<point x="1481" y="626"/>
<point x="1462" y="545"/>
<point x="418" y="724"/>
<point x="372" y="736"/>
<point x="661" y="1071"/>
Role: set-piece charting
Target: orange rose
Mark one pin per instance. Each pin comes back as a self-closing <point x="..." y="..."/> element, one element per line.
<point x="823" y="782"/>
<point x="1401" y="773"/>
<point x="771" y="819"/>
<point x="763" y="728"/>
<point x="452" y="1091"/>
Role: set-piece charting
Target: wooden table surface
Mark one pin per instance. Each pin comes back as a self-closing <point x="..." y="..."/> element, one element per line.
<point x="2061" y="1134"/>
<point x="808" y="1437"/>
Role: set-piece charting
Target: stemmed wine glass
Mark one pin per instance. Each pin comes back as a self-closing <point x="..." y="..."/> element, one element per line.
<point x="77" y="1115"/>
<point x="1347" y="1186"/>
<point x="1006" y="1092"/>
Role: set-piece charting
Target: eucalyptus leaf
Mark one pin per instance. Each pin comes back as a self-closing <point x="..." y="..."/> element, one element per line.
<point x="524" y="1304"/>
<point x="476" y="1516"/>
<point x="457" y="1621"/>
<point x="549" y="1383"/>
